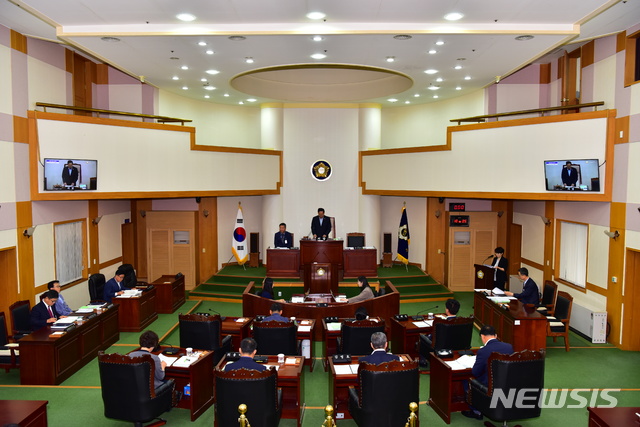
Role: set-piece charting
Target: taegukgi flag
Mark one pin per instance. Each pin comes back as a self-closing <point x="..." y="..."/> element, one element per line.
<point x="239" y="246"/>
<point x="403" y="238"/>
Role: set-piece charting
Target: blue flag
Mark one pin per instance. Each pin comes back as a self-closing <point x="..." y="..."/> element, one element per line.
<point x="403" y="238"/>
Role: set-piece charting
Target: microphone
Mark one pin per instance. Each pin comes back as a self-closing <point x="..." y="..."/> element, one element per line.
<point x="417" y="317"/>
<point x="222" y="318"/>
<point x="167" y="351"/>
<point x="490" y="256"/>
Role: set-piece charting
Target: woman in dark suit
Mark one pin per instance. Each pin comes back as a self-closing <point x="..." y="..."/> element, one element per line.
<point x="267" y="288"/>
<point x="500" y="264"/>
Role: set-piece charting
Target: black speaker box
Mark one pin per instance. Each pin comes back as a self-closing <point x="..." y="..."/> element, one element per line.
<point x="254" y="242"/>
<point x="386" y="243"/>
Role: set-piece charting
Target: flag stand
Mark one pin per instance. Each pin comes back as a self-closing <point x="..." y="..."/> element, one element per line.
<point x="406" y="266"/>
<point x="233" y="256"/>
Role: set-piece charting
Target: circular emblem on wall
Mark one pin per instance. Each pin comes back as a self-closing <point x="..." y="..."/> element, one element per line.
<point x="321" y="170"/>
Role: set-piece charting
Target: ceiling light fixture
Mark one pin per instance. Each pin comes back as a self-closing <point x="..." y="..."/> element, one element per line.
<point x="391" y="58"/>
<point x="248" y="60"/>
<point x="203" y="79"/>
<point x="439" y="43"/>
<point x="226" y="95"/>
<point x="435" y="96"/>
<point x="433" y="87"/>
<point x="430" y="71"/>
<point x="210" y="52"/>
<point x="467" y="77"/>
<point x="185" y="88"/>
<point x="403" y="37"/>
<point x="524" y="38"/>
<point x="316" y="15"/>
<point x="110" y="39"/>
<point x="458" y="67"/>
<point x="433" y="52"/>
<point x="317" y="38"/>
<point x="453" y="16"/>
<point x="175" y="78"/>
<point x="207" y="96"/>
<point x="407" y="102"/>
<point x="184" y="67"/>
<point x="251" y="100"/>
<point x="241" y="103"/>
<point x="237" y="38"/>
<point x="186" y="17"/>
<point x="318" y="56"/>
<point x="458" y="88"/>
<point x="207" y="87"/>
<point x="439" y="79"/>
<point x="392" y="100"/>
<point x="417" y="95"/>
<point x="212" y="72"/>
<point x="202" y="43"/>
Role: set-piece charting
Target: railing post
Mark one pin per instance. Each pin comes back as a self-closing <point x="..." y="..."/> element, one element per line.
<point x="328" y="421"/>
<point x="243" y="420"/>
<point x="411" y="421"/>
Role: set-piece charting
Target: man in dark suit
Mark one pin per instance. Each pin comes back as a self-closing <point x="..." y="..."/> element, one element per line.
<point x="69" y="174"/>
<point x="114" y="286"/>
<point x="569" y="175"/>
<point x="248" y="349"/>
<point x="500" y="265"/>
<point x="321" y="225"/>
<point x="530" y="293"/>
<point x="45" y="312"/>
<point x="283" y="239"/>
<point x="481" y="366"/>
<point x="379" y="354"/>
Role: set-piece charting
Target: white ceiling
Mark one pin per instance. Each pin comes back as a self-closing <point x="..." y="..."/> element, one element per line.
<point x="357" y="32"/>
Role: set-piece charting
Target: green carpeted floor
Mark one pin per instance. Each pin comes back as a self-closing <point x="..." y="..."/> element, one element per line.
<point x="78" y="402"/>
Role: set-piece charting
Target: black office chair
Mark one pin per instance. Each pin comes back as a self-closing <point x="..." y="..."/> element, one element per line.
<point x="448" y="334"/>
<point x="355" y="338"/>
<point x="128" y="390"/>
<point x="9" y="356"/>
<point x="204" y="333"/>
<point x="275" y="337"/>
<point x="96" y="287"/>
<point x="549" y="295"/>
<point x="509" y="374"/>
<point x="258" y="390"/>
<point x="20" y="313"/>
<point x="558" y="325"/>
<point x="384" y="393"/>
<point x="130" y="279"/>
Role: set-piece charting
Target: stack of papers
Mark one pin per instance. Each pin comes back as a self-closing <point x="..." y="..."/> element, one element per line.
<point x="497" y="291"/>
<point x="481" y="290"/>
<point x="185" y="361"/>
<point x="130" y="293"/>
<point x="240" y="320"/>
<point x="168" y="360"/>
<point x="500" y="300"/>
<point x="346" y="369"/>
<point x="334" y="326"/>
<point x="461" y="363"/>
<point x="86" y="309"/>
<point x="291" y="361"/>
<point x="304" y="328"/>
<point x="68" y="319"/>
<point x="423" y="324"/>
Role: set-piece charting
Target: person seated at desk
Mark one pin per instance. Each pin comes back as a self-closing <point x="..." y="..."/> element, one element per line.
<point x="451" y="308"/>
<point x="45" y="312"/>
<point x="530" y="293"/>
<point x="361" y="313"/>
<point x="276" y="313"/>
<point x="267" y="288"/>
<point x="283" y="239"/>
<point x="500" y="264"/>
<point x="114" y="286"/>
<point x="61" y="306"/>
<point x="491" y="344"/>
<point x="320" y="225"/>
<point x="148" y="342"/>
<point x="248" y="349"/>
<point x="379" y="354"/>
<point x="365" y="293"/>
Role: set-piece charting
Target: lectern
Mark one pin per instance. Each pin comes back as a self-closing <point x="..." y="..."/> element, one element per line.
<point x="328" y="253"/>
<point x="484" y="277"/>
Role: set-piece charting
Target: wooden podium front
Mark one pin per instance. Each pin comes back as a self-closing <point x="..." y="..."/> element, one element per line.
<point x="321" y="252"/>
<point x="283" y="262"/>
<point x="483" y="277"/>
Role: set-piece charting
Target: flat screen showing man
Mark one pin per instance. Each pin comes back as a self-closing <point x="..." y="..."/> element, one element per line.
<point x="572" y="175"/>
<point x="70" y="174"/>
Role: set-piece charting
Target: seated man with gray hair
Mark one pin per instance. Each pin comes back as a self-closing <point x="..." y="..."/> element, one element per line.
<point x="379" y="354"/>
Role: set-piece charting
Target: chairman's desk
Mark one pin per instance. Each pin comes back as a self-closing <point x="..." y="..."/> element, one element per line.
<point x="521" y="326"/>
<point x="384" y="306"/>
<point x="25" y="413"/>
<point x="49" y="361"/>
<point x="291" y="380"/>
<point x="138" y="312"/>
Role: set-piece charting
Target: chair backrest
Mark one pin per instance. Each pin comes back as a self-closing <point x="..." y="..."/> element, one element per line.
<point x="452" y="334"/>
<point x="275" y="337"/>
<point x="549" y="293"/>
<point x="522" y="370"/>
<point x="130" y="280"/>
<point x="258" y="390"/>
<point x="386" y="390"/>
<point x="200" y="332"/>
<point x="564" y="303"/>
<point x="4" y="337"/>
<point x="96" y="287"/>
<point x="20" y="313"/>
<point x="356" y="335"/>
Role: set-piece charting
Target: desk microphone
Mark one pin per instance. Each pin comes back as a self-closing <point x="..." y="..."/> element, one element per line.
<point x="490" y="256"/>
<point x="168" y="351"/>
<point x="417" y="317"/>
<point x="222" y="318"/>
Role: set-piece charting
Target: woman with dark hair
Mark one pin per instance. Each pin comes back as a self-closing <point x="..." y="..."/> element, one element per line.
<point x="500" y="265"/>
<point x="267" y="288"/>
<point x="365" y="293"/>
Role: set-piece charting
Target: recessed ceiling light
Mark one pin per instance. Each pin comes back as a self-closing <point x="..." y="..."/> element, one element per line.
<point x="175" y="78"/>
<point x="185" y="88"/>
<point x="392" y="100"/>
<point x="237" y="38"/>
<point x="458" y="88"/>
<point x="439" y="43"/>
<point x="207" y="87"/>
<point x="248" y="60"/>
<point x="186" y="17"/>
<point x="524" y="38"/>
<point x="251" y="100"/>
<point x="430" y="71"/>
<point x="402" y="37"/>
<point x="184" y="67"/>
<point x="203" y="79"/>
<point x="407" y="102"/>
<point x="241" y="103"/>
<point x="110" y="39"/>
<point x="207" y="96"/>
<point x="316" y="15"/>
<point x="417" y="95"/>
<point x="317" y="38"/>
<point x="210" y="52"/>
<point x="432" y="87"/>
<point x="435" y="96"/>
<point x="226" y="95"/>
<point x="453" y="16"/>
<point x="467" y="78"/>
<point x="318" y="56"/>
<point x="174" y="58"/>
<point x="432" y="52"/>
<point x="439" y="79"/>
<point x="202" y="43"/>
<point x="458" y="67"/>
<point x="391" y="58"/>
<point x="212" y="72"/>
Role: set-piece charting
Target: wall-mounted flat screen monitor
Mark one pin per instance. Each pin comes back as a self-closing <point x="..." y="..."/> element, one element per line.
<point x="355" y="241"/>
<point x="572" y="175"/>
<point x="70" y="174"/>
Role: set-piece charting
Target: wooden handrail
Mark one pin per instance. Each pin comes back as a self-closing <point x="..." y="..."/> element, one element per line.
<point x="98" y="111"/>
<point x="480" y="119"/>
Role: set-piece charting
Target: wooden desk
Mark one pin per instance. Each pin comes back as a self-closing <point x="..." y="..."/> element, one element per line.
<point x="610" y="417"/>
<point x="446" y="389"/>
<point x="339" y="387"/>
<point x="283" y="263"/>
<point x="291" y="380"/>
<point x="523" y="327"/>
<point x="405" y="336"/>
<point x="137" y="313"/>
<point x="200" y="377"/>
<point x="237" y="330"/>
<point x="169" y="293"/>
<point x="330" y="338"/>
<point x="50" y="361"/>
<point x="26" y="413"/>
<point x="360" y="262"/>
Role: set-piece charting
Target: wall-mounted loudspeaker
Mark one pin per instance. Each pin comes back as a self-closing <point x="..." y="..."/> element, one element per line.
<point x="254" y="242"/>
<point x="386" y="243"/>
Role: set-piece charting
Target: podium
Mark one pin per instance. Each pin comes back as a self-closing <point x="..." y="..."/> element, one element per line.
<point x="483" y="277"/>
<point x="325" y="255"/>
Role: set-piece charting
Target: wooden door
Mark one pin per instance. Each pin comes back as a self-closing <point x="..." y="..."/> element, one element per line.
<point x="8" y="281"/>
<point x="631" y="301"/>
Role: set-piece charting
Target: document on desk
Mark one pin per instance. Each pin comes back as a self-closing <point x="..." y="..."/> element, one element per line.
<point x="462" y="363"/>
<point x="8" y="352"/>
<point x="240" y="320"/>
<point x="68" y="319"/>
<point x="184" y="362"/>
<point x="272" y="366"/>
<point x="86" y="309"/>
<point x="334" y="326"/>
<point x="168" y="360"/>
<point x="345" y="369"/>
<point x="423" y="324"/>
<point x="500" y="300"/>
<point x="304" y="328"/>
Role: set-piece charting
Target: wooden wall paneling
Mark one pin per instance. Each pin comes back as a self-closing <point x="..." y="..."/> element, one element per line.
<point x="8" y="280"/>
<point x="616" y="299"/>
<point x="140" y="235"/>
<point x="503" y="230"/>
<point x="514" y="256"/>
<point x="26" y="276"/>
<point x="549" y="241"/>
<point x="18" y="42"/>
<point x="622" y="130"/>
<point x="127" y="232"/>
<point x="207" y="238"/>
<point x="436" y="239"/>
<point x="630" y="58"/>
<point x="94" y="242"/>
<point x="631" y="329"/>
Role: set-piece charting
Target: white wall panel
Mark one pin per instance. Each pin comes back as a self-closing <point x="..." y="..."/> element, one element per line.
<point x="252" y="214"/>
<point x="44" y="259"/>
<point x="7" y="172"/>
<point x="41" y="83"/>
<point x="6" y="104"/>
<point x="532" y="236"/>
<point x="598" y="256"/>
<point x="633" y="180"/>
<point x="110" y="236"/>
<point x="516" y="97"/>
<point x="604" y="87"/>
<point x="125" y="97"/>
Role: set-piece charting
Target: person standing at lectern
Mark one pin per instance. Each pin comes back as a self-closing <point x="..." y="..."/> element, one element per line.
<point x="69" y="175"/>
<point x="499" y="264"/>
<point x="283" y="238"/>
<point x="569" y="175"/>
<point x="321" y="225"/>
<point x="365" y="293"/>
